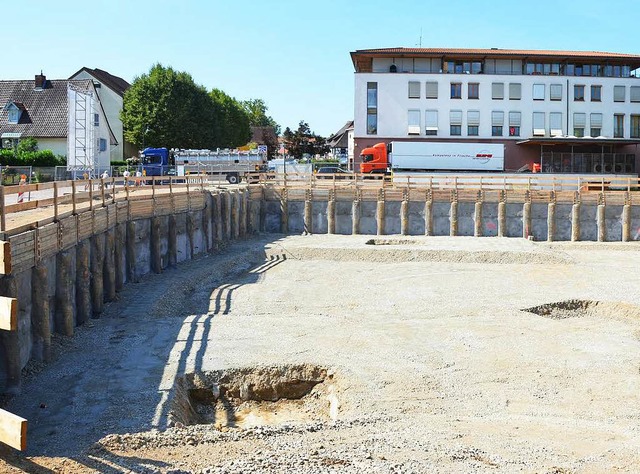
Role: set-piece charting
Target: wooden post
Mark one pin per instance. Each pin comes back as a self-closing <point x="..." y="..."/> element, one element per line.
<point x="428" y="213"/>
<point x="477" y="222"/>
<point x="284" y="212"/>
<point x="3" y="222"/>
<point x="575" y="219"/>
<point x="90" y="194"/>
<point x="453" y="217"/>
<point x="404" y="214"/>
<point x="551" y="221"/>
<point x="355" y="214"/>
<point x="380" y="212"/>
<point x="331" y="212"/>
<point x="308" y="224"/>
<point x="65" y="293"/>
<point x="40" y="312"/>
<point x="601" y="223"/>
<point x="73" y="197"/>
<point x="502" y="216"/>
<point x="55" y="201"/>
<point x="626" y="222"/>
<point x="113" y="190"/>
<point x="526" y="219"/>
<point x="8" y="313"/>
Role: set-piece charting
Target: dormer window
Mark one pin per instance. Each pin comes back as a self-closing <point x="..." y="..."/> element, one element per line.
<point x="14" y="115"/>
<point x="14" y="111"/>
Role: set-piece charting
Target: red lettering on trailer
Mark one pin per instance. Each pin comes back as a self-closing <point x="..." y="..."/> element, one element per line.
<point x="484" y="155"/>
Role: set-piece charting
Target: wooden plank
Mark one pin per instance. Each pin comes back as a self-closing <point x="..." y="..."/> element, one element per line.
<point x="8" y="313"/>
<point x="5" y="257"/>
<point x="13" y="430"/>
<point x="48" y="240"/>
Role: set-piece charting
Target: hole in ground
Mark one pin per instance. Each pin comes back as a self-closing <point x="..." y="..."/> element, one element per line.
<point x="392" y="242"/>
<point x="580" y="308"/>
<point x="255" y="396"/>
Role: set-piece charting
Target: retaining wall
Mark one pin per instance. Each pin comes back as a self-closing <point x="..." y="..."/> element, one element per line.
<point x="63" y="273"/>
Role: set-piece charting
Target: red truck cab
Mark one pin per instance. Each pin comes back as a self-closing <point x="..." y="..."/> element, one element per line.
<point x="374" y="159"/>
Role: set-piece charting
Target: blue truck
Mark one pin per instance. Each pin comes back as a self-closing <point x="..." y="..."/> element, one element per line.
<point x="157" y="161"/>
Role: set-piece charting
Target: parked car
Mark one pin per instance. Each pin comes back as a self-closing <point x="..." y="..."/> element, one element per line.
<point x="325" y="172"/>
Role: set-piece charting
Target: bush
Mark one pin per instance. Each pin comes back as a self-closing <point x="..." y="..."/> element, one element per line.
<point x="119" y="163"/>
<point x="40" y="158"/>
<point x="7" y="158"/>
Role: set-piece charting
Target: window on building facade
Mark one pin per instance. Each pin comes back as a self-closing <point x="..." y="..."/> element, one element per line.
<point x="455" y="122"/>
<point x="431" y="122"/>
<point x="618" y="126"/>
<point x="596" y="93"/>
<point x="14" y="115"/>
<point x="618" y="93"/>
<point x="538" y="124"/>
<point x="473" y="91"/>
<point x="414" y="90"/>
<point x="634" y="93"/>
<point x="515" y="91"/>
<point x="456" y="90"/>
<point x="102" y="144"/>
<point x="431" y="90"/>
<point x="96" y="120"/>
<point x="413" y="122"/>
<point x="538" y="92"/>
<point x="515" y="119"/>
<point x="555" y="124"/>
<point x="555" y="91"/>
<point x="578" y="93"/>
<point x="497" y="90"/>
<point x="635" y="126"/>
<point x="596" y="124"/>
<point x="579" y="123"/>
<point x="497" y="123"/>
<point x="372" y="108"/>
<point x="473" y="123"/>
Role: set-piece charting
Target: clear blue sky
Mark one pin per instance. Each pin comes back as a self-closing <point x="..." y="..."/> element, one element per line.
<point x="292" y="54"/>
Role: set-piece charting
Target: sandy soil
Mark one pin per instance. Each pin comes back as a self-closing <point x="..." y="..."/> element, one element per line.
<point x="436" y="365"/>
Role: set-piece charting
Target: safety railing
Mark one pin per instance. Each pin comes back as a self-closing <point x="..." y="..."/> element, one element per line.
<point x="507" y="182"/>
<point x="47" y="202"/>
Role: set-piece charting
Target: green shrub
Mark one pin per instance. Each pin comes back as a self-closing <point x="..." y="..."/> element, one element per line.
<point x="119" y="163"/>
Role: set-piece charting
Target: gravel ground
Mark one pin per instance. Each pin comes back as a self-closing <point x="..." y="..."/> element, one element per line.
<point x="436" y="364"/>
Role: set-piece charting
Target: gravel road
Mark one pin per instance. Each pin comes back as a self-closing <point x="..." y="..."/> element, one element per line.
<point x="436" y="363"/>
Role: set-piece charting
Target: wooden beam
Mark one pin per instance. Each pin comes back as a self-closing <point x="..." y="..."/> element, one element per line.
<point x="13" y="430"/>
<point x="5" y="258"/>
<point x="8" y="313"/>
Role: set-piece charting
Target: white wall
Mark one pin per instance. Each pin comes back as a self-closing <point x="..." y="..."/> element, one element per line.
<point x="393" y="102"/>
<point x="57" y="145"/>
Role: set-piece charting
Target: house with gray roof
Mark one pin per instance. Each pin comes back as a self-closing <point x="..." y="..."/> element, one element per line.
<point x="64" y="116"/>
<point x="111" y="91"/>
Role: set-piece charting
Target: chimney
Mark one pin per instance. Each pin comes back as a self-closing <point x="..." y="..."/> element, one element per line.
<point x="41" y="80"/>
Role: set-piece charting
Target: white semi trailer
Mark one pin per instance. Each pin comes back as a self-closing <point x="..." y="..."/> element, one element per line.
<point x="432" y="156"/>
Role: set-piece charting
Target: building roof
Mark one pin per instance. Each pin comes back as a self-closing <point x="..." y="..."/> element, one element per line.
<point x="339" y="139"/>
<point x="582" y="141"/>
<point x="115" y="83"/>
<point x="45" y="111"/>
<point x="497" y="53"/>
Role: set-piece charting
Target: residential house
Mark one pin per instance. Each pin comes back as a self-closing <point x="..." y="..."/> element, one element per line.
<point x="566" y="111"/>
<point x="64" y="116"/>
<point x="111" y="91"/>
<point x="339" y="144"/>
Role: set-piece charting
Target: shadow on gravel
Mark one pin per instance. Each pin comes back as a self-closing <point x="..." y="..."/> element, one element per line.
<point x="127" y="383"/>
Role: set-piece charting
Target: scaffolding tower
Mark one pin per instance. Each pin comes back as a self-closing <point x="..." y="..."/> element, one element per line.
<point x="81" y="151"/>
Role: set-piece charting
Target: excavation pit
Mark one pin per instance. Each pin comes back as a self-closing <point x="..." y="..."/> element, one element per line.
<point x="581" y="308"/>
<point x="255" y="396"/>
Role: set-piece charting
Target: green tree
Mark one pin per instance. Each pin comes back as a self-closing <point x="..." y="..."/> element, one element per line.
<point x="167" y="108"/>
<point x="257" y="111"/>
<point x="232" y="124"/>
<point x="304" y="141"/>
<point x="27" y="145"/>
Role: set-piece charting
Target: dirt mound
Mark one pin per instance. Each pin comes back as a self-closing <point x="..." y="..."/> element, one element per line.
<point x="581" y="308"/>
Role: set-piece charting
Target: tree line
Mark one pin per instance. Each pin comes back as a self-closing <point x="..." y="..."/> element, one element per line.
<point x="167" y="108"/>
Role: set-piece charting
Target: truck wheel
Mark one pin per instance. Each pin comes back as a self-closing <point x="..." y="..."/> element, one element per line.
<point x="233" y="178"/>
